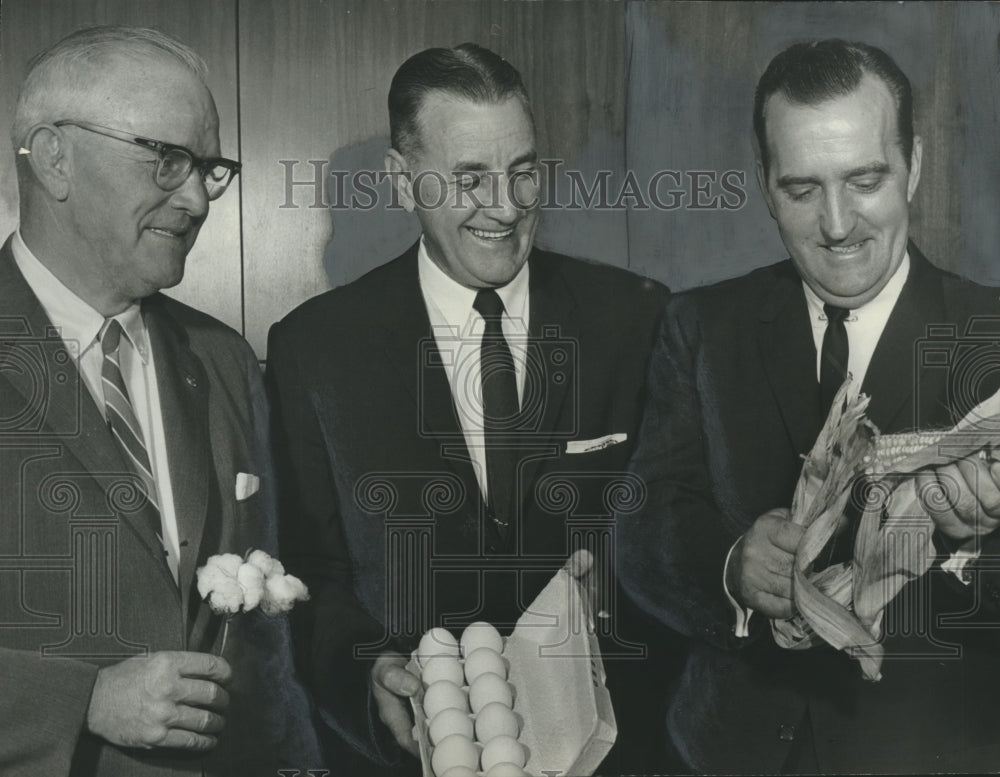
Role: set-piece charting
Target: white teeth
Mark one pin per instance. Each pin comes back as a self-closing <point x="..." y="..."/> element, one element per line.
<point x="485" y="235"/>
<point x="847" y="249"/>
<point x="166" y="232"/>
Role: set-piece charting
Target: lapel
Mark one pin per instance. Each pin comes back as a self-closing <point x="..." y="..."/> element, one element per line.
<point x="788" y="355"/>
<point x="411" y="350"/>
<point x="183" y="387"/>
<point x="890" y="379"/>
<point x="68" y="411"/>
<point x="554" y="332"/>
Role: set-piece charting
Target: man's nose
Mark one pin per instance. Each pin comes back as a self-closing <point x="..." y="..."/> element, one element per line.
<point x="838" y="216"/>
<point x="192" y="196"/>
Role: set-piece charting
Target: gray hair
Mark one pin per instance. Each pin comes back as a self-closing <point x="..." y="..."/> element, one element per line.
<point x="62" y="76"/>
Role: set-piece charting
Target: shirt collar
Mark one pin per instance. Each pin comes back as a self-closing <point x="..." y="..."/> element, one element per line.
<point x="78" y="323"/>
<point x="454" y="301"/>
<point x="880" y="305"/>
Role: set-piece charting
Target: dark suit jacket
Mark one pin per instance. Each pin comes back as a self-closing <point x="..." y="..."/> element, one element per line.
<point x="733" y="403"/>
<point x="82" y="579"/>
<point x="382" y="514"/>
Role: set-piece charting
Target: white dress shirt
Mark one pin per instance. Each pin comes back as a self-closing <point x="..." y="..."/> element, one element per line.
<point x="458" y="333"/>
<point x="864" y="329"/>
<point x="78" y="325"/>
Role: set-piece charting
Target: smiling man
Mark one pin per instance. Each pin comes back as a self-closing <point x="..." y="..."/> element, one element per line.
<point x="133" y="435"/>
<point x="741" y="380"/>
<point x="430" y="413"/>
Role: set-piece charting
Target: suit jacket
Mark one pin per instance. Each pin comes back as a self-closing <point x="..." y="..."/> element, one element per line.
<point x="83" y="582"/>
<point x="733" y="404"/>
<point x="382" y="514"/>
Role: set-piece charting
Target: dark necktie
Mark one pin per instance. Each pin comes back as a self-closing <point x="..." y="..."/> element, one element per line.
<point x="500" y="411"/>
<point x="125" y="427"/>
<point x="833" y="358"/>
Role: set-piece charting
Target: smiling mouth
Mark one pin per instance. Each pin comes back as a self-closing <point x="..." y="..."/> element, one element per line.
<point x="174" y="233"/>
<point x="847" y="249"/>
<point x="492" y="235"/>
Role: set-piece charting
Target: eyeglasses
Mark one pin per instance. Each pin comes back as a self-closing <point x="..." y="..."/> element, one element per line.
<point x="174" y="164"/>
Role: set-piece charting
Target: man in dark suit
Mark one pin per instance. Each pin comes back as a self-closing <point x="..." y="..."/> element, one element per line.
<point x="133" y="434"/>
<point x="414" y="497"/>
<point x="740" y="382"/>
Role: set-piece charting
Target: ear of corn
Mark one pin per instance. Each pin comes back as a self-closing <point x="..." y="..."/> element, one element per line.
<point x="893" y="449"/>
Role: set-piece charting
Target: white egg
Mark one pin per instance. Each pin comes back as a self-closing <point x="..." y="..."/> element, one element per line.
<point x="482" y="661"/>
<point x="436" y="642"/>
<point x="459" y="771"/>
<point x="487" y="688"/>
<point x="479" y="635"/>
<point x="441" y="668"/>
<point x="453" y="751"/>
<point x="506" y="770"/>
<point x="450" y="721"/>
<point x="443" y="695"/>
<point x="494" y="720"/>
<point x="501" y="750"/>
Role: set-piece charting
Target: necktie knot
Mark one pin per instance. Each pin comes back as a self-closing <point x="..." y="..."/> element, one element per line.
<point x="488" y="304"/>
<point x="835" y="314"/>
<point x="110" y="336"/>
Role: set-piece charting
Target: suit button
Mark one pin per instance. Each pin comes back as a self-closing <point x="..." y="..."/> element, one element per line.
<point x="786" y="733"/>
<point x="492" y="547"/>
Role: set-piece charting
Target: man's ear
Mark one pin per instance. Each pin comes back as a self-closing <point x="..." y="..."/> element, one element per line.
<point x="762" y="183"/>
<point x="399" y="172"/>
<point x="914" y="177"/>
<point x="50" y="160"/>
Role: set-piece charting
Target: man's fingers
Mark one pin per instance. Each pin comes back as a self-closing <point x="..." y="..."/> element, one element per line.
<point x="201" y="665"/>
<point x="201" y="693"/>
<point x="787" y="536"/>
<point x="396" y="717"/>
<point x="397" y="680"/>
<point x="181" y="739"/>
<point x="775" y="606"/>
<point x="197" y="720"/>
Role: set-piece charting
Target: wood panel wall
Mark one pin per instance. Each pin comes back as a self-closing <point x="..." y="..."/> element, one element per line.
<point x="638" y="87"/>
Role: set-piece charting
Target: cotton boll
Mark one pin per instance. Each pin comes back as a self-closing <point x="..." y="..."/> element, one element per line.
<point x="500" y="750"/>
<point x="435" y="642"/>
<point x="444" y="695"/>
<point x="482" y="661"/>
<point x="281" y="592"/>
<point x="506" y="770"/>
<point x="494" y="720"/>
<point x="441" y="668"/>
<point x="453" y="751"/>
<point x="479" y="635"/>
<point x="269" y="565"/>
<point x="450" y="721"/>
<point x="489" y="688"/>
<point x="251" y="580"/>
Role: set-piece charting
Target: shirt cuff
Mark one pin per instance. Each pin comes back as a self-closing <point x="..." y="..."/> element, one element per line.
<point x="956" y="563"/>
<point x="742" y="626"/>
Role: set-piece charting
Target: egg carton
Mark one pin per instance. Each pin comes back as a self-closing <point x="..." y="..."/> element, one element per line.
<point x="568" y="723"/>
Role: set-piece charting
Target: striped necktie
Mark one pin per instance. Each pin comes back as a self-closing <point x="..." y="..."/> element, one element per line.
<point x="125" y="426"/>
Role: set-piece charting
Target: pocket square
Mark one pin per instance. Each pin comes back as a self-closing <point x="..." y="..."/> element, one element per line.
<point x="586" y="446"/>
<point x="246" y="485"/>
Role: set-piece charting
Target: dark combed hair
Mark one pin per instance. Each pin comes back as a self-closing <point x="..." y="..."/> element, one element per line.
<point x="811" y="73"/>
<point x="468" y="71"/>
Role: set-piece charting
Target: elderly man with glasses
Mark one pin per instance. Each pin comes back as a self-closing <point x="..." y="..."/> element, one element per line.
<point x="131" y="433"/>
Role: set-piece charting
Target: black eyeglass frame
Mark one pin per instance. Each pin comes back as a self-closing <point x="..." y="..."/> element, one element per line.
<point x="213" y="187"/>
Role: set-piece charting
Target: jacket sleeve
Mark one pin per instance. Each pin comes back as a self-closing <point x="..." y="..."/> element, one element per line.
<point x="43" y="711"/>
<point x="325" y="629"/>
<point x="672" y="550"/>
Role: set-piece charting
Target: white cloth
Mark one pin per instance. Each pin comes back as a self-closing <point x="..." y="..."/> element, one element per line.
<point x="78" y="325"/>
<point x="458" y="333"/>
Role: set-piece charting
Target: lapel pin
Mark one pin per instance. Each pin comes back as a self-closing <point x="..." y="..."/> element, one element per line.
<point x="189" y="379"/>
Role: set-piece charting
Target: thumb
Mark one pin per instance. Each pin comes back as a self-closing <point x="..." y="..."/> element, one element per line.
<point x="397" y="680"/>
<point x="580" y="563"/>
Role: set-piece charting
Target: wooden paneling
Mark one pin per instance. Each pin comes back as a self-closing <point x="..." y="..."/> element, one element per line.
<point x="314" y="77"/>
<point x="693" y="70"/>
<point x="212" y="279"/>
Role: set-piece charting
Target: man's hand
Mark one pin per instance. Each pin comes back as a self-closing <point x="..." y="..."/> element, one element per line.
<point x="168" y="699"/>
<point x="391" y="686"/>
<point x="759" y="574"/>
<point x="963" y="498"/>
